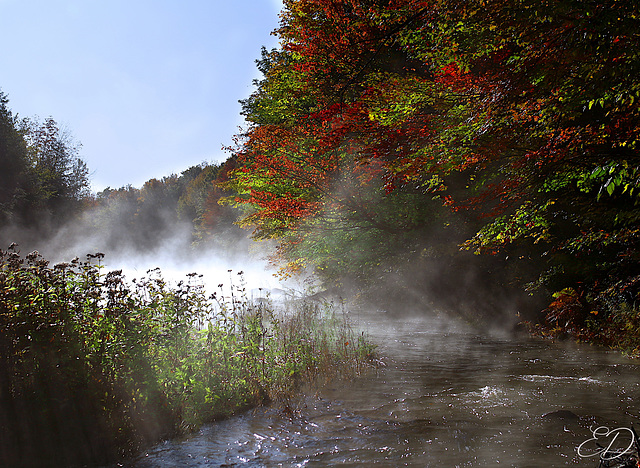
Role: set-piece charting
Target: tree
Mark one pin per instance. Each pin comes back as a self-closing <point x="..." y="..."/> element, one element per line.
<point x="14" y="166"/>
<point x="325" y="151"/>
<point x="59" y="177"/>
<point x="522" y="118"/>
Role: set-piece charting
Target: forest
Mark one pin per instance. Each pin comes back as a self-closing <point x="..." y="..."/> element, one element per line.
<point x="475" y="159"/>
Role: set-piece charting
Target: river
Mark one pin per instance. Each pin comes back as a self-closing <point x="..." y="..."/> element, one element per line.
<point x="445" y="397"/>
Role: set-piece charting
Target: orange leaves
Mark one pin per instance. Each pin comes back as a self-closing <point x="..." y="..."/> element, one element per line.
<point x="566" y="310"/>
<point x="282" y="206"/>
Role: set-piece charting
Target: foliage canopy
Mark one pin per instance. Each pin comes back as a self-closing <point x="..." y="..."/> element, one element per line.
<point x="512" y="126"/>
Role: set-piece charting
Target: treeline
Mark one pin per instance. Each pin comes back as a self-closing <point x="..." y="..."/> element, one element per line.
<point x="181" y="206"/>
<point x="42" y="178"/>
<point x="45" y="199"/>
<point x="392" y="140"/>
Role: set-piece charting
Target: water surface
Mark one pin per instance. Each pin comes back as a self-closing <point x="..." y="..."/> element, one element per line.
<point x="445" y="397"/>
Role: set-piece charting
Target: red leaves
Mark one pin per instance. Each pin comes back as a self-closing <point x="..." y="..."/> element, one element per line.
<point x="483" y="105"/>
<point x="453" y="78"/>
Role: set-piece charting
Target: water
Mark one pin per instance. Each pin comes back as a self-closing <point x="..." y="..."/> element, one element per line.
<point x="446" y="397"/>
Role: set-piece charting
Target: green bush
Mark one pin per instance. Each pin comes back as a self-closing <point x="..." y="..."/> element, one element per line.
<point x="93" y="368"/>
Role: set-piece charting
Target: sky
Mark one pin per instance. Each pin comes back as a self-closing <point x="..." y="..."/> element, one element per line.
<point x="148" y="87"/>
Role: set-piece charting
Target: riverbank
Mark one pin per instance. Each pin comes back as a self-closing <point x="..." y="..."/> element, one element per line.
<point x="94" y="367"/>
<point x="447" y="396"/>
<point x="610" y="319"/>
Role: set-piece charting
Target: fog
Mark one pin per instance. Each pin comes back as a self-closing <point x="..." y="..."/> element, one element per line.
<point x="400" y="255"/>
<point x="402" y="272"/>
<point x="228" y="257"/>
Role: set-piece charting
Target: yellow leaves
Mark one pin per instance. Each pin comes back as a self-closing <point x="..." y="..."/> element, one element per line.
<point x="541" y="237"/>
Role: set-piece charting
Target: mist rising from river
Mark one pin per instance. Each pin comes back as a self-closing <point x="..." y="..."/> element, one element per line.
<point x="228" y="257"/>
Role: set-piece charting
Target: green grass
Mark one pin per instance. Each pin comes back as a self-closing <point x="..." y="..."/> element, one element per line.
<point x="93" y="367"/>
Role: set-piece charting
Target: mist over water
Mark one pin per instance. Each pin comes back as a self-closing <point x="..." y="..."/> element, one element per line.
<point x="164" y="244"/>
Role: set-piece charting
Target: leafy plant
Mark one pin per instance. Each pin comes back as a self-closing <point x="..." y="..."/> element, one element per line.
<point x="89" y="360"/>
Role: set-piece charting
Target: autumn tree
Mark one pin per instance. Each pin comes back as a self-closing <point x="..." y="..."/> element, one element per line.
<point x="519" y="117"/>
<point x="333" y="123"/>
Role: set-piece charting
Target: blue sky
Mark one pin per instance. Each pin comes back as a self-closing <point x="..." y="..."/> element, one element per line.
<point x="148" y="87"/>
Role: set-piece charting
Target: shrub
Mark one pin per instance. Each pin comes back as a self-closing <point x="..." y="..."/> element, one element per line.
<point x="93" y="368"/>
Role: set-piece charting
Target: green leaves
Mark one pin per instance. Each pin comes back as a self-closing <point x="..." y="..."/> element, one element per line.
<point x="527" y="222"/>
<point x="616" y="175"/>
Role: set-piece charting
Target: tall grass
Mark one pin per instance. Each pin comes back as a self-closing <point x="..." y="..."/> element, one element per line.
<point x="93" y="367"/>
